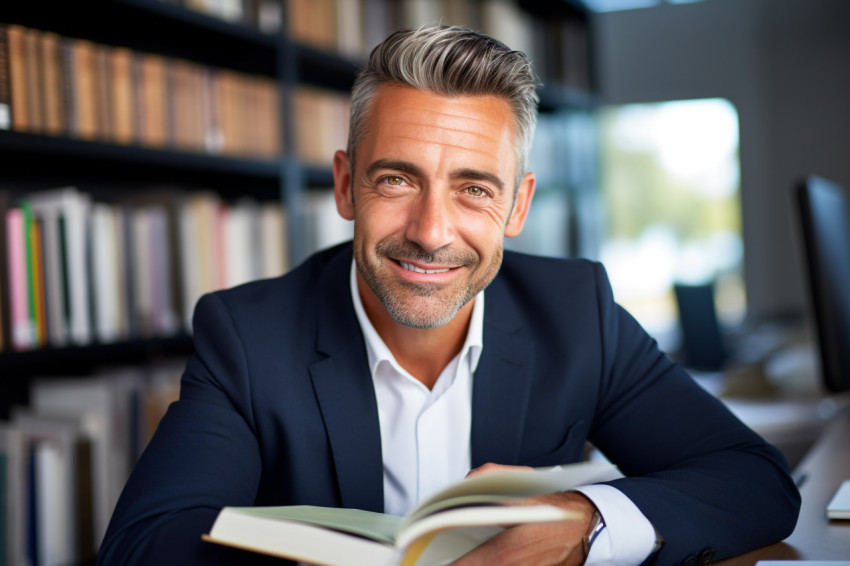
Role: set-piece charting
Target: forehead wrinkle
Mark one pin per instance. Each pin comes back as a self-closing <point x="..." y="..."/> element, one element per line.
<point x="454" y="116"/>
<point x="494" y="137"/>
<point x="447" y="145"/>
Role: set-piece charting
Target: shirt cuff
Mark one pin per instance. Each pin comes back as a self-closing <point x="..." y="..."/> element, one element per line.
<point x="628" y="537"/>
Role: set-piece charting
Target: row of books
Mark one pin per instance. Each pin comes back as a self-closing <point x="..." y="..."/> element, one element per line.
<point x="558" y="46"/>
<point x="323" y="127"/>
<point x="65" y="86"/>
<point x="354" y="27"/>
<point x="264" y="15"/>
<point x="65" y="457"/>
<point x="76" y="271"/>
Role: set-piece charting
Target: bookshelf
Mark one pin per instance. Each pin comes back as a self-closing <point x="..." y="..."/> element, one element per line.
<point x="267" y="161"/>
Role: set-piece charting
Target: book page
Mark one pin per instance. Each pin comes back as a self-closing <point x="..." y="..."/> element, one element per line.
<point x="499" y="515"/>
<point x="507" y="484"/>
<point x="376" y="526"/>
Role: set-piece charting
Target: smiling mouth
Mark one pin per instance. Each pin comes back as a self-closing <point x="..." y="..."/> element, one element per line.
<point x="411" y="267"/>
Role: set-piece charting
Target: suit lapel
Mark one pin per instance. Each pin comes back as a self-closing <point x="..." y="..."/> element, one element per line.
<point x="502" y="382"/>
<point x="346" y="394"/>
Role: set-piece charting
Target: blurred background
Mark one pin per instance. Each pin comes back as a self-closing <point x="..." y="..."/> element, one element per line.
<point x="155" y="150"/>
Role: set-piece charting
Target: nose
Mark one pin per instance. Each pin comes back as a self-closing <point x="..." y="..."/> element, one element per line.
<point x="432" y="221"/>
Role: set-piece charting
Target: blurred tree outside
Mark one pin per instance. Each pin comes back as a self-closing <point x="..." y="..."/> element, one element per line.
<point x="670" y="184"/>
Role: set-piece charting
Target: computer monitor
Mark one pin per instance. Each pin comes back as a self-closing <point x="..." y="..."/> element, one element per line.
<point x="822" y="207"/>
<point x="703" y="346"/>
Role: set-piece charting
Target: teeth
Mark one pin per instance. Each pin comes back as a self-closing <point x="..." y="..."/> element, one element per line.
<point x="410" y="267"/>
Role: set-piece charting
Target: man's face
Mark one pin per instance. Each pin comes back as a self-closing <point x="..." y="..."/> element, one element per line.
<point x="432" y="197"/>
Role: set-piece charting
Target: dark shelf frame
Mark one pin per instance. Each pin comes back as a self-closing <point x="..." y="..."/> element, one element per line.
<point x="18" y="368"/>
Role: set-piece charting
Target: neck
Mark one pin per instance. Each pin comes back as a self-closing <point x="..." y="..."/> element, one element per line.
<point x="423" y="352"/>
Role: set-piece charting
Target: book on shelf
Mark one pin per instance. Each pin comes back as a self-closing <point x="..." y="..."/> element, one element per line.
<point x="102" y="404"/>
<point x="326" y="131"/>
<point x="151" y="94"/>
<point x="81" y="76"/>
<point x="161" y="206"/>
<point x="78" y="270"/>
<point x="65" y="458"/>
<point x="222" y="246"/>
<point x="56" y="489"/>
<point x="415" y="13"/>
<point x="19" y="99"/>
<point x="379" y="17"/>
<point x="507" y="22"/>
<point x="301" y="18"/>
<point x="56" y="85"/>
<point x="350" y="38"/>
<point x="106" y="282"/>
<point x="35" y="270"/>
<point x="64" y="213"/>
<point x="322" y="225"/>
<point x="21" y="324"/>
<point x="119" y="64"/>
<point x="5" y="84"/>
<point x="274" y="240"/>
<point x="12" y="518"/>
<point x="5" y="323"/>
<point x="441" y="528"/>
<point x="50" y="68"/>
<point x="264" y="15"/>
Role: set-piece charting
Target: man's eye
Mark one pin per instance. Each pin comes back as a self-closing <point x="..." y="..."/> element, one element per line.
<point x="394" y="180"/>
<point x="475" y="191"/>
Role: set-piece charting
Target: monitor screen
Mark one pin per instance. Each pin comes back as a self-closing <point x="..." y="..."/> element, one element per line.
<point x="822" y="206"/>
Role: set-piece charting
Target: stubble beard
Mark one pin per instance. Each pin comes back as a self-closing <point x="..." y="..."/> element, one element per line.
<point x="422" y="305"/>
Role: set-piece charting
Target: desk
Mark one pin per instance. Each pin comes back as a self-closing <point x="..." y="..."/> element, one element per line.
<point x="815" y="538"/>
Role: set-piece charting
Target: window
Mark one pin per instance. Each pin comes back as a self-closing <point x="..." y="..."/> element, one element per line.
<point x="670" y="186"/>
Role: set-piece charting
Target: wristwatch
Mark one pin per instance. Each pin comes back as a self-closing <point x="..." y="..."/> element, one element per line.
<point x="597" y="525"/>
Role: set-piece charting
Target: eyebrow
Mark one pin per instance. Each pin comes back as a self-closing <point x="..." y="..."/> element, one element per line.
<point x="395" y="165"/>
<point x="411" y="169"/>
<point x="477" y="175"/>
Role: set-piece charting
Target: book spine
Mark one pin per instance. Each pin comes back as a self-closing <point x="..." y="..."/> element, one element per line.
<point x="5" y="322"/>
<point x="39" y="310"/>
<point x="86" y="99"/>
<point x="5" y="80"/>
<point x="35" y="92"/>
<point x="52" y="84"/>
<point x="68" y="78"/>
<point x="22" y="330"/>
<point x="121" y="93"/>
<point x="18" y="78"/>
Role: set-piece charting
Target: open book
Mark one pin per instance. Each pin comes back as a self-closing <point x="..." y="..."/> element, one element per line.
<point x="440" y="529"/>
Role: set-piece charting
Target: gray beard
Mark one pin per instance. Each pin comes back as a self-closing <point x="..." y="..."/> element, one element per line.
<point x="434" y="316"/>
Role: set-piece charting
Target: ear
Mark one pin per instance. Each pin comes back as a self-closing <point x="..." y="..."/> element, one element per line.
<point x="524" y="194"/>
<point x="342" y="185"/>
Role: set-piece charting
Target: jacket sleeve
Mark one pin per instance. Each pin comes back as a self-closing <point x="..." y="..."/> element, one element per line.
<point x="204" y="455"/>
<point x="710" y="485"/>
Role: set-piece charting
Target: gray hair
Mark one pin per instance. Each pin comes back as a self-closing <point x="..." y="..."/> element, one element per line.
<point x="450" y="61"/>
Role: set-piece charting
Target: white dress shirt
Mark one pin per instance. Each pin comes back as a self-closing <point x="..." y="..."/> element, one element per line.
<point x="425" y="439"/>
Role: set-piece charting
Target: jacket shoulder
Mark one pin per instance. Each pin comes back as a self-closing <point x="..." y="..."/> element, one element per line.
<point x="289" y="293"/>
<point x="561" y="274"/>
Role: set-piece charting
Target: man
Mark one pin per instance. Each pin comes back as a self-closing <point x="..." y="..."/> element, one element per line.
<point x="379" y="371"/>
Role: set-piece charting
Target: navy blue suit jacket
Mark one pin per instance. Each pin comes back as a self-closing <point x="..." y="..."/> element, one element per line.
<point x="277" y="407"/>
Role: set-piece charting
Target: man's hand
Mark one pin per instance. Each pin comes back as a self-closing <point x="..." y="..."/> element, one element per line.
<point x="538" y="544"/>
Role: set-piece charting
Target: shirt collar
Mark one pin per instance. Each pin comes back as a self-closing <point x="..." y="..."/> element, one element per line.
<point x="377" y="351"/>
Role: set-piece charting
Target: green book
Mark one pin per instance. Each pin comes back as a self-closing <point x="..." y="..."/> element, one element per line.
<point x="31" y="272"/>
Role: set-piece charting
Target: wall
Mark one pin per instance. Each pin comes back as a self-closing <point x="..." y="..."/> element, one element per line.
<point x="785" y="65"/>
